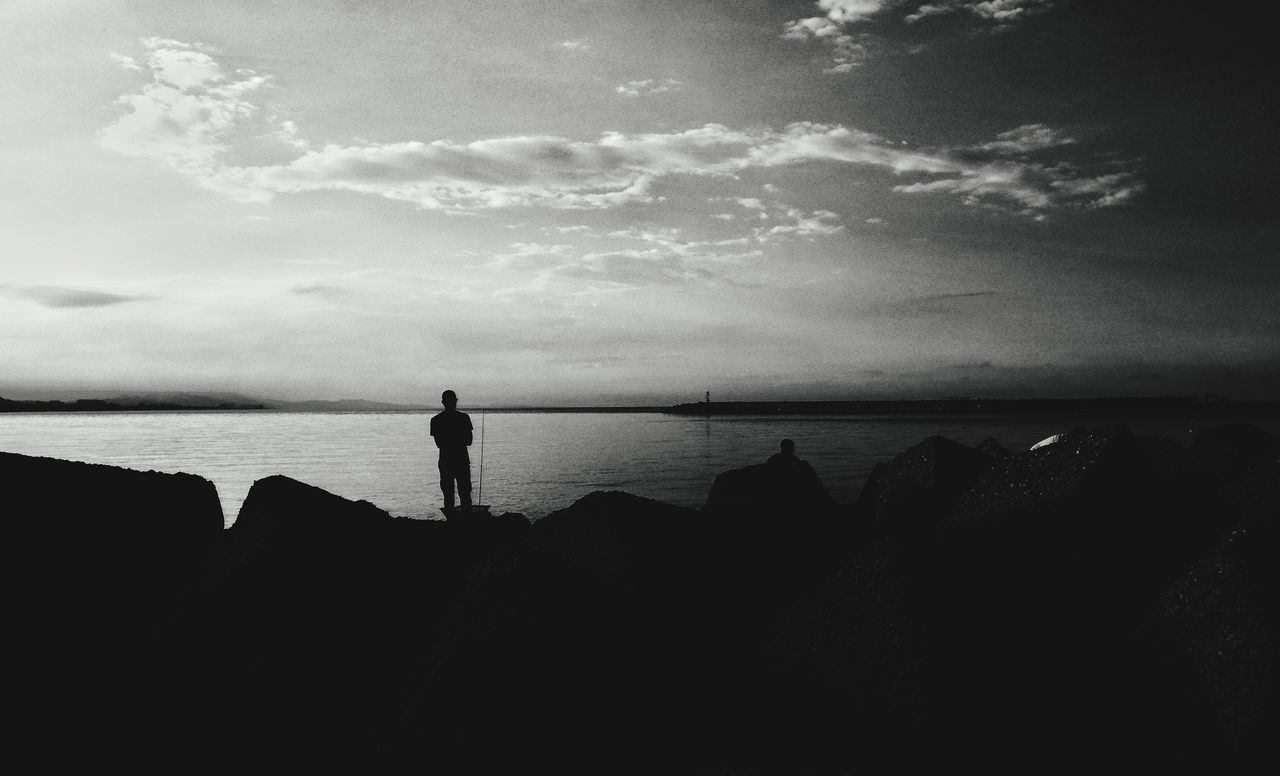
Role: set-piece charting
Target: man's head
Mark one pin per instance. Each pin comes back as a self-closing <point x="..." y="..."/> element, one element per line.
<point x="787" y="447"/>
<point x="449" y="399"/>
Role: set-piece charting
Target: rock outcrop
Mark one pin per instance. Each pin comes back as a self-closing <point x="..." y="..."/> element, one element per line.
<point x="779" y="488"/>
<point x="318" y="613"/>
<point x="1071" y="600"/>
<point x="1106" y="598"/>
<point x="99" y="559"/>
<point x="919" y="485"/>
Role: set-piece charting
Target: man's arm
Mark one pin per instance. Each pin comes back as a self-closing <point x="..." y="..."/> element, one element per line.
<point x="468" y="431"/>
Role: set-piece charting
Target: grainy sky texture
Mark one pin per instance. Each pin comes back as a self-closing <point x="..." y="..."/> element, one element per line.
<point x="631" y="202"/>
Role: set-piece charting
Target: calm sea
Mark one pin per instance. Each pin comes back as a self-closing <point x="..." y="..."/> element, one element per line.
<point x="533" y="462"/>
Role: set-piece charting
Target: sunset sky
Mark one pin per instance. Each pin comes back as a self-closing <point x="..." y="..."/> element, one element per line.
<point x="633" y="202"/>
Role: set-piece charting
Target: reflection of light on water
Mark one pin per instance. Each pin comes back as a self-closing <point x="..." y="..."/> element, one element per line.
<point x="534" y="463"/>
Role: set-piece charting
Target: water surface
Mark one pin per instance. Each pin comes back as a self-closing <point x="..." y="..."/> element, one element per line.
<point x="533" y="462"/>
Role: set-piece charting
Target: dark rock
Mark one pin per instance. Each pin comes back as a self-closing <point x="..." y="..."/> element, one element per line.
<point x="1210" y="653"/>
<point x="638" y="626"/>
<point x="109" y="544"/>
<point x="99" y="557"/>
<point x="576" y="628"/>
<point x="317" y="621"/>
<point x="778" y="489"/>
<point x="992" y="448"/>
<point x="1106" y="596"/>
<point x="1016" y="615"/>
<point x="1241" y="463"/>
<point x="917" y="487"/>
<point x="849" y="665"/>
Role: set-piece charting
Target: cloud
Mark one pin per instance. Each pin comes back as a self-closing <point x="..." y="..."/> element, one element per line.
<point x="1001" y="12"/>
<point x="186" y="115"/>
<point x="1025" y="139"/>
<point x="192" y="112"/>
<point x="634" y="268"/>
<point x="531" y="256"/>
<point x="576" y="229"/>
<point x="846" y="53"/>
<point x="1031" y="188"/>
<point x="62" y="297"/>
<point x="636" y="257"/>
<point x="671" y="241"/>
<point x="839" y="17"/>
<point x="648" y="87"/>
<point x="801" y="225"/>
<point x="127" y="62"/>
<point x="959" y="295"/>
<point x="837" y="13"/>
<point x="580" y="44"/>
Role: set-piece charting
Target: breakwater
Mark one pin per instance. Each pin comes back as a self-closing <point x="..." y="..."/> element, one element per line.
<point x="968" y="406"/>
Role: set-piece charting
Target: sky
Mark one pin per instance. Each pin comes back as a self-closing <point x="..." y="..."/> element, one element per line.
<point x="577" y="202"/>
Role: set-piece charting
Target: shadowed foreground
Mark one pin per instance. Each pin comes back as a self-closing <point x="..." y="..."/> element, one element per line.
<point x="1107" y="598"/>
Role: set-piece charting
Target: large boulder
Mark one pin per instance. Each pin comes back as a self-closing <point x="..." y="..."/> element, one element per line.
<point x="106" y="547"/>
<point x="315" y="621"/>
<point x="914" y="490"/>
<point x="1210" y="649"/>
<point x="779" y="489"/>
<point x="584" y="626"/>
<point x="1013" y="619"/>
<point x="99" y="558"/>
<point x="1209" y="654"/>
<point x="1240" y="463"/>
<point x="1103" y="516"/>
<point x="848" y="666"/>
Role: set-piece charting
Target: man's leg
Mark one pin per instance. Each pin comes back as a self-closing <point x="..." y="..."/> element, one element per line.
<point x="446" y="484"/>
<point x="463" y="473"/>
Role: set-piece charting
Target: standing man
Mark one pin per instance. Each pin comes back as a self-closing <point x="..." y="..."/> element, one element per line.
<point x="452" y="432"/>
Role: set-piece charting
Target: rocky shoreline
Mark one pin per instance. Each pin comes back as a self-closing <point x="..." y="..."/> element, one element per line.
<point x="1109" y="598"/>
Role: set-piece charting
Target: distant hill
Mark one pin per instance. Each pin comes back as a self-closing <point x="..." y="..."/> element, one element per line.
<point x="341" y="405"/>
<point x="186" y="399"/>
<point x="130" y="403"/>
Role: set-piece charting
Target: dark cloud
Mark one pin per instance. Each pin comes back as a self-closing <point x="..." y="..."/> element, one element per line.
<point x="962" y="295"/>
<point x="324" y="290"/>
<point x="57" y="296"/>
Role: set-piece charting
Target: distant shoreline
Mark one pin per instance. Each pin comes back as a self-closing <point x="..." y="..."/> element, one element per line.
<point x="903" y="407"/>
<point x="971" y="407"/>
<point x="103" y="405"/>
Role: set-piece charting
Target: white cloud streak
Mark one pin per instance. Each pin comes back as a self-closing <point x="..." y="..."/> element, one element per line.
<point x="839" y="17"/>
<point x="648" y="86"/>
<point x="185" y="116"/>
<point x="192" y="112"/>
<point x="998" y="11"/>
<point x="64" y="297"/>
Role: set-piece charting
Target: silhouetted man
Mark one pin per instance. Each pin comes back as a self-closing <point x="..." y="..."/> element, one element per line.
<point x="796" y="477"/>
<point x="786" y="453"/>
<point x="452" y="432"/>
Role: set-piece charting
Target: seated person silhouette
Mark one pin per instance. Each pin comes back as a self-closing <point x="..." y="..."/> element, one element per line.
<point x="797" y="479"/>
<point x="452" y="432"/>
<point x="784" y="484"/>
<point x="786" y="454"/>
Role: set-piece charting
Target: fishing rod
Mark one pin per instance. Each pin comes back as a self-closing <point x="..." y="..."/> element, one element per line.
<point x="480" y="498"/>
